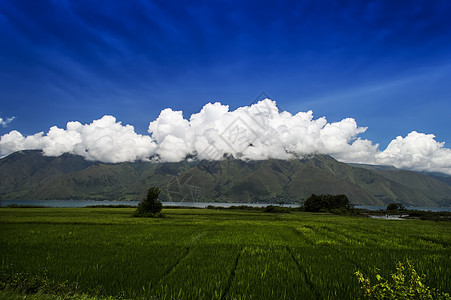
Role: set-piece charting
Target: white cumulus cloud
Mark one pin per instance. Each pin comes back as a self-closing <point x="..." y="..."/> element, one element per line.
<point x="103" y="140"/>
<point x="254" y="132"/>
<point x="417" y="151"/>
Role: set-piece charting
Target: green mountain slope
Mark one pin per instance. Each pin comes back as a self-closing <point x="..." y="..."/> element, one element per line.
<point x="25" y="171"/>
<point x="29" y="175"/>
<point x="441" y="177"/>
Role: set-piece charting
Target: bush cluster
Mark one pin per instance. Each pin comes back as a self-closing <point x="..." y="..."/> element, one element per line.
<point x="31" y="284"/>
<point x="395" y="206"/>
<point x="405" y="284"/>
<point x="277" y="209"/>
<point x="431" y="216"/>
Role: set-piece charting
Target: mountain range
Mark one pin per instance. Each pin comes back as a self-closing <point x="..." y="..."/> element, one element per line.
<point x="30" y="175"/>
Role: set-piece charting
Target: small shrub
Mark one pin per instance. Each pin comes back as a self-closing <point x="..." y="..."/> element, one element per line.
<point x="24" y="285"/>
<point x="345" y="211"/>
<point x="276" y="209"/>
<point x="243" y="207"/>
<point x="405" y="284"/>
<point x="214" y="207"/>
<point x="32" y="284"/>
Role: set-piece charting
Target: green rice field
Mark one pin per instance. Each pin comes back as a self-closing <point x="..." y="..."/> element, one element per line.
<point x="218" y="254"/>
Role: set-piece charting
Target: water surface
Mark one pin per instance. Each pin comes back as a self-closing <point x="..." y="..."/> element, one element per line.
<point x="84" y="203"/>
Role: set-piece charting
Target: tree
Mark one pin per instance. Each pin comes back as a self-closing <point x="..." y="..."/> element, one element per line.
<point x="316" y="203"/>
<point x="395" y="206"/>
<point x="150" y="206"/>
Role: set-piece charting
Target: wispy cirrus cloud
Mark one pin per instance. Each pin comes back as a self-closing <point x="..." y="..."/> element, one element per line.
<point x="5" y="122"/>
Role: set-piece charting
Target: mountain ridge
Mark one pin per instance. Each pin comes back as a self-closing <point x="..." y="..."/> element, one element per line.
<point x="30" y="175"/>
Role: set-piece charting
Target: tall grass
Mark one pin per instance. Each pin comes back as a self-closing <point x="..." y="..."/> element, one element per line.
<point x="211" y="254"/>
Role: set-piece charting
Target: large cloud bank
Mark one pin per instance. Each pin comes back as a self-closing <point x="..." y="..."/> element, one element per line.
<point x="255" y="132"/>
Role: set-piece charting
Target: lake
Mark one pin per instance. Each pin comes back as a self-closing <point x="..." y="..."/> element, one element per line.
<point x="84" y="203"/>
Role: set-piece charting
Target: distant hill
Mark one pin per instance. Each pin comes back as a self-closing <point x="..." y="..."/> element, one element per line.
<point x="30" y="175"/>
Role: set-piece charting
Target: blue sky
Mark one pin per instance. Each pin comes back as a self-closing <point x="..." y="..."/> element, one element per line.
<point x="386" y="64"/>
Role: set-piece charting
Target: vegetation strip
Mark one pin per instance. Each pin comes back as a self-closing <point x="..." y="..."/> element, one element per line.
<point x="218" y="254"/>
<point x="304" y="274"/>
<point x="232" y="275"/>
<point x="171" y="269"/>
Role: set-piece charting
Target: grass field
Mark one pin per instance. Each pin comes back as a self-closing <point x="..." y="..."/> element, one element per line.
<point x="218" y="254"/>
